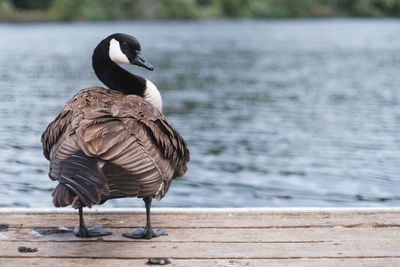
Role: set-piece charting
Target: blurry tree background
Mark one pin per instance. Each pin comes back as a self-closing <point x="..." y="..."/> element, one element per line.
<point x="77" y="10"/>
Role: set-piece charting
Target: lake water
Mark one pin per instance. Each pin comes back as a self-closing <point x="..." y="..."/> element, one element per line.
<point x="275" y="113"/>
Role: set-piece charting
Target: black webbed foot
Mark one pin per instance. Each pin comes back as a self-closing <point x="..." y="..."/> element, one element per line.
<point x="94" y="231"/>
<point x="91" y="231"/>
<point x="144" y="233"/>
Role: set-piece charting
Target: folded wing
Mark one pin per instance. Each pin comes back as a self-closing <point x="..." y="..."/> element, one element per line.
<point x="141" y="151"/>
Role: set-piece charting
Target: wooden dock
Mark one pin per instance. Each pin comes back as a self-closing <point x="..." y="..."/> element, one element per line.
<point x="206" y="237"/>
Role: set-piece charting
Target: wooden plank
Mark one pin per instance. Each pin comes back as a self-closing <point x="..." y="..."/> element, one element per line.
<point x="215" y="220"/>
<point x="248" y="235"/>
<point x="195" y="250"/>
<point x="67" y="262"/>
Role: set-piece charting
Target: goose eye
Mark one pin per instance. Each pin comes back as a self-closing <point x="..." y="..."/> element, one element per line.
<point x="125" y="45"/>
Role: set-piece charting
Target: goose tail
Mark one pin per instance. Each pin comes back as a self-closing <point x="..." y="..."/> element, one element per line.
<point x="62" y="196"/>
<point x="65" y="195"/>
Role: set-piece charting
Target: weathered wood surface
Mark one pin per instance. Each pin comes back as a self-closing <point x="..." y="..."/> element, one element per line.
<point x="208" y="239"/>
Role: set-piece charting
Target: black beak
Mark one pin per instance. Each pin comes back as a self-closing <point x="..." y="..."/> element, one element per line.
<point x="140" y="60"/>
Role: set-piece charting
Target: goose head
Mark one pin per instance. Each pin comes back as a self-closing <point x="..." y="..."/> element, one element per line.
<point x="118" y="49"/>
<point x="125" y="49"/>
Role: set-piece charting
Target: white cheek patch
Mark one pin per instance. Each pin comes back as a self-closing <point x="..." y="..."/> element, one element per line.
<point x="116" y="53"/>
<point x="152" y="95"/>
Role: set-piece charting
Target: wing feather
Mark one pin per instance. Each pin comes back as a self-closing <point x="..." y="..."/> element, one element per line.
<point x="54" y="131"/>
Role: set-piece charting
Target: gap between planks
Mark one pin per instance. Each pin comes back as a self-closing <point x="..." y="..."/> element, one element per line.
<point x="357" y="262"/>
<point x="207" y="210"/>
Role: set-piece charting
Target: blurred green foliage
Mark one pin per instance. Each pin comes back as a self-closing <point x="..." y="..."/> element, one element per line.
<point x="201" y="9"/>
<point x="6" y="6"/>
<point x="6" y="9"/>
<point x="31" y="4"/>
<point x="94" y="9"/>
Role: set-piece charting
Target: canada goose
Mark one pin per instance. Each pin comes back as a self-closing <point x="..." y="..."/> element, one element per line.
<point x="114" y="143"/>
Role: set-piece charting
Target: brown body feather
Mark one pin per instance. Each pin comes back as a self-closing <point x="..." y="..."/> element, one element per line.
<point x="141" y="151"/>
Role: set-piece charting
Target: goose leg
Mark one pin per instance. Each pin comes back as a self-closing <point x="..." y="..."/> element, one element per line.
<point x="94" y="231"/>
<point x="148" y="232"/>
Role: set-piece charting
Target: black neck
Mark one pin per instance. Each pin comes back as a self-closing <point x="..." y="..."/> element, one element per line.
<point x="113" y="76"/>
